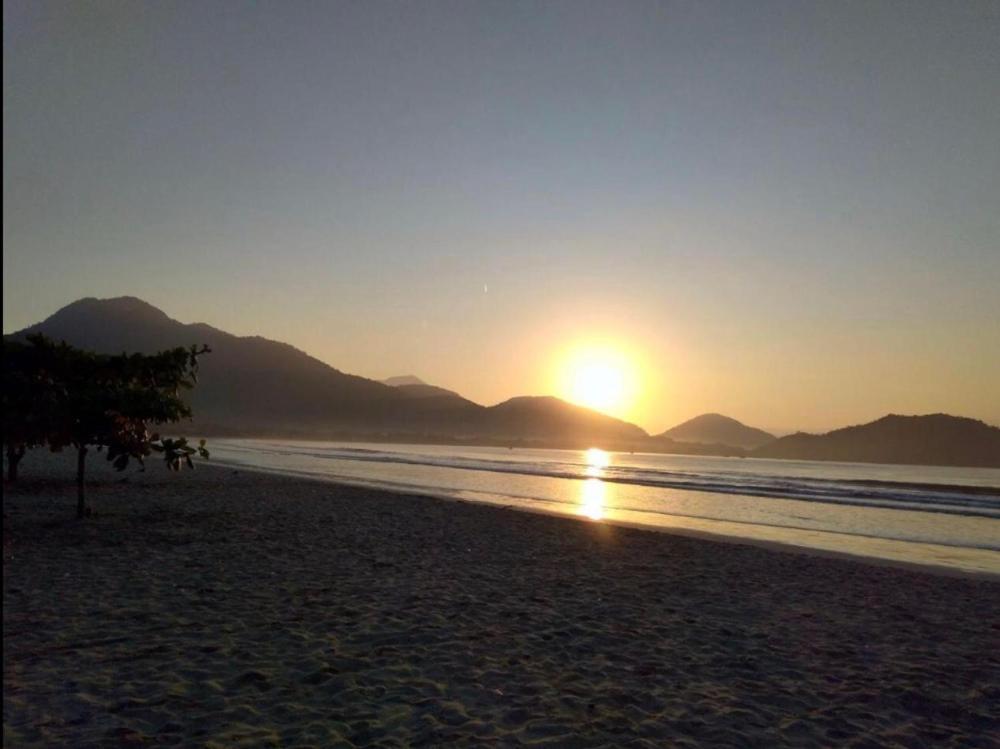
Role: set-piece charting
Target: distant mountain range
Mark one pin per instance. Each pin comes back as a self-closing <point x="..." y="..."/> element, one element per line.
<point x="935" y="439"/>
<point x="716" y="429"/>
<point x="252" y="386"/>
<point x="255" y="386"/>
<point x="403" y="381"/>
<point x="414" y="387"/>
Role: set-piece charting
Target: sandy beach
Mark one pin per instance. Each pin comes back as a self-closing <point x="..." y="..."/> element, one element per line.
<point x="224" y="608"/>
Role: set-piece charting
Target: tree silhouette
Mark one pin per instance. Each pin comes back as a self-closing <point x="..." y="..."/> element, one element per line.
<point x="30" y="399"/>
<point x="99" y="401"/>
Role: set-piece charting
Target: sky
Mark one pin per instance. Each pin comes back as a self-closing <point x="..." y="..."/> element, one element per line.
<point x="786" y="212"/>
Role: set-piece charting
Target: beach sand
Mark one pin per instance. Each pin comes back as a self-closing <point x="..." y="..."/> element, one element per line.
<point x="225" y="608"/>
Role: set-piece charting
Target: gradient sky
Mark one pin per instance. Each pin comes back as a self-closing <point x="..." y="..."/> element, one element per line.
<point x="786" y="212"/>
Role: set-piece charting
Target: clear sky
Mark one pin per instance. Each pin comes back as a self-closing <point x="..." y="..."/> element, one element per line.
<point x="785" y="212"/>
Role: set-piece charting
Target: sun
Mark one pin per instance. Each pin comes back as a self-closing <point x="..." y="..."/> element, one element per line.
<point x="599" y="384"/>
<point x="599" y="377"/>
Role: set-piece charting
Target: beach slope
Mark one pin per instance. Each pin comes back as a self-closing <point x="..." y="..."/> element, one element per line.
<point x="225" y="608"/>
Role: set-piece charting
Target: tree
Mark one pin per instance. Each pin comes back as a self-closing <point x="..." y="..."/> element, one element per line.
<point x="107" y="402"/>
<point x="30" y="398"/>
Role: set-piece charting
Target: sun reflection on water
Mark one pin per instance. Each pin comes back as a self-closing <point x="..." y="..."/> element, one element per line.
<point x="597" y="461"/>
<point x="592" y="499"/>
<point x="594" y="490"/>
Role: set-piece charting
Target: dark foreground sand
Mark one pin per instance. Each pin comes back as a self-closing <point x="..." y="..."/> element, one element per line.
<point x="224" y="609"/>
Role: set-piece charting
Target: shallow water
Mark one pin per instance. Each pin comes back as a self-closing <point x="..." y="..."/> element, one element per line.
<point x="922" y="514"/>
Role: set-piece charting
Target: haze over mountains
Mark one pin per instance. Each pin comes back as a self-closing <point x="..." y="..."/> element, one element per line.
<point x="403" y="380"/>
<point x="413" y="387"/>
<point x="253" y="386"/>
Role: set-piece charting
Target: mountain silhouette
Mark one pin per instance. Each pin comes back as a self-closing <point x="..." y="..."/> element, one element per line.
<point x="527" y="417"/>
<point x="716" y="429"/>
<point x="400" y="380"/>
<point x="255" y="386"/>
<point x="934" y="439"/>
<point x="413" y="387"/>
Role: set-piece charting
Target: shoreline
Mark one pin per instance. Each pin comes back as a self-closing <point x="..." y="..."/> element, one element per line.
<point x="712" y="537"/>
<point x="231" y="607"/>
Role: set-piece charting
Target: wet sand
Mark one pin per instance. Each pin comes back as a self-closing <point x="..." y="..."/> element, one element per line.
<point x="219" y="608"/>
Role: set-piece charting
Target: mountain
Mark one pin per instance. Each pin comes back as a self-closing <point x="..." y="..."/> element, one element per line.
<point x="414" y="387"/>
<point x="255" y="386"/>
<point x="528" y="417"/>
<point x="400" y="380"/>
<point x="246" y="385"/>
<point x="934" y="439"/>
<point x="716" y="429"/>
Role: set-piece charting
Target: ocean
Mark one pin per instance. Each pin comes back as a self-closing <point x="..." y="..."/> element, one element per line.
<point x="947" y="517"/>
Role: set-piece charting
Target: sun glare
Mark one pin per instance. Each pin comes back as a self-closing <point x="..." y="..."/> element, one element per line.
<point x="601" y="378"/>
<point x="592" y="499"/>
<point x="597" y="459"/>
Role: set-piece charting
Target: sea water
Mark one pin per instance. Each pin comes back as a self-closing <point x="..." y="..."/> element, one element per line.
<point x="939" y="516"/>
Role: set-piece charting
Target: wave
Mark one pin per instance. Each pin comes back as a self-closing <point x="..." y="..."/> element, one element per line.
<point x="952" y="499"/>
<point x="527" y="501"/>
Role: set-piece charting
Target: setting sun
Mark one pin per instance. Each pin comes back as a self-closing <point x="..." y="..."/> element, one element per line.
<point x="599" y="377"/>
<point x="599" y="385"/>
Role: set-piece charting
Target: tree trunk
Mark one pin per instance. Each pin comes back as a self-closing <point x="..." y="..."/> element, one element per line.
<point x="14" y="456"/>
<point x="81" y="505"/>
